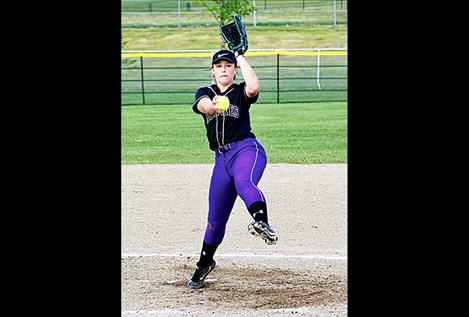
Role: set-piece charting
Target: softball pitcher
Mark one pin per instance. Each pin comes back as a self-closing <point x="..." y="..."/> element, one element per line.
<point x="240" y="159"/>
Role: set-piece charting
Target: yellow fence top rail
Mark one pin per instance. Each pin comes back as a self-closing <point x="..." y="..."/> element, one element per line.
<point x="322" y="52"/>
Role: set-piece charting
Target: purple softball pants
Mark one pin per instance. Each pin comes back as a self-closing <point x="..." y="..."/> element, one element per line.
<point x="237" y="171"/>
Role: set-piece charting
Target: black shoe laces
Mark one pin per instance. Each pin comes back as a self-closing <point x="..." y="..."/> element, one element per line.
<point x="196" y="276"/>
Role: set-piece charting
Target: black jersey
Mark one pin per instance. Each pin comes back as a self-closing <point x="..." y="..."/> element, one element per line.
<point x="234" y="123"/>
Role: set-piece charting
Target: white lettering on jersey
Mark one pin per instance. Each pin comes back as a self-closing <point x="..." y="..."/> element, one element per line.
<point x="232" y="111"/>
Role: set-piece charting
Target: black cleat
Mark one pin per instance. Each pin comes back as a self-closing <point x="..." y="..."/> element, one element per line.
<point x="199" y="276"/>
<point x="262" y="229"/>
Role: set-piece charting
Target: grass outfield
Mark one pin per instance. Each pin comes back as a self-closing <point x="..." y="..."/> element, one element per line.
<point x="303" y="133"/>
<point x="259" y="38"/>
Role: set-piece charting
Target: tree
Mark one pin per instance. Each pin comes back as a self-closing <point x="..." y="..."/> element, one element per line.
<point x="222" y="10"/>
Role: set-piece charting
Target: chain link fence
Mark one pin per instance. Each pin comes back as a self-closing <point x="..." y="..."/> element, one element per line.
<point x="187" y="14"/>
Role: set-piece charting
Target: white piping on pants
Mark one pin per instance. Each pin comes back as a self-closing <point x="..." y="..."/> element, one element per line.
<point x="252" y="170"/>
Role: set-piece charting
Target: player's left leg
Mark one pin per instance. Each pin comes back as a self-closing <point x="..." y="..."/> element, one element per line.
<point x="247" y="170"/>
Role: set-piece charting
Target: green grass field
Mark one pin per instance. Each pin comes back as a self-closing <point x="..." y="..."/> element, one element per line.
<point x="303" y="133"/>
<point x="259" y="38"/>
<point x="203" y="20"/>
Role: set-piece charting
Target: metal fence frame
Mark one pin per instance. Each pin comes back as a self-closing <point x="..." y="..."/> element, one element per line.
<point x="258" y="4"/>
<point x="198" y="53"/>
<point x="184" y="6"/>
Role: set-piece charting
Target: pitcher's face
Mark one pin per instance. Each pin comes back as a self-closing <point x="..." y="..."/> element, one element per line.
<point x="224" y="72"/>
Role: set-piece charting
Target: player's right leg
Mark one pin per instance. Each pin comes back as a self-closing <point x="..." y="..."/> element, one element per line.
<point x="222" y="196"/>
<point x="221" y="199"/>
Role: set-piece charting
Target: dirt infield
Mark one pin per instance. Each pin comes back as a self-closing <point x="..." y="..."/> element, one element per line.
<point x="164" y="211"/>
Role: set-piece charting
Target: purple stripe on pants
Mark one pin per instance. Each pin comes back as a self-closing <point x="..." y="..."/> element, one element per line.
<point x="236" y="172"/>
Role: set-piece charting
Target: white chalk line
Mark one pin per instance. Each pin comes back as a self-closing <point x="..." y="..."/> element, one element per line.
<point x="301" y="310"/>
<point x="242" y="255"/>
<point x="151" y="312"/>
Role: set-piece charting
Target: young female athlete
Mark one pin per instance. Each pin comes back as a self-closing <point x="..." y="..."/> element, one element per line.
<point x="240" y="159"/>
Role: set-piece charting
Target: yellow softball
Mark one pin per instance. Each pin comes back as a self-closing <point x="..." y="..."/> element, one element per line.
<point x="223" y="103"/>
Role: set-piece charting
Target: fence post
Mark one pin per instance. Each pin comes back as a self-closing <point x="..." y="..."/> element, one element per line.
<point x="335" y="12"/>
<point x="318" y="68"/>
<point x="179" y="14"/>
<point x="278" y="78"/>
<point x="255" y="9"/>
<point x="142" y="79"/>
